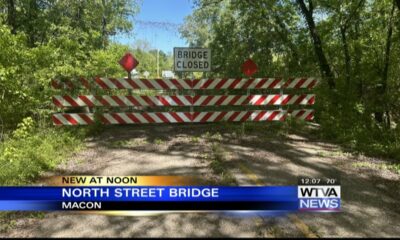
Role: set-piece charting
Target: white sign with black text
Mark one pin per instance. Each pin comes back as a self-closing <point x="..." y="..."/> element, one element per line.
<point x="192" y="59"/>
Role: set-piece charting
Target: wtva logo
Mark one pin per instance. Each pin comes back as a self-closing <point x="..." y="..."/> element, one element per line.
<point x="319" y="198"/>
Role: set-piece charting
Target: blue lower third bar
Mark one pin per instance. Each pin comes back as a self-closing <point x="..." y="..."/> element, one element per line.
<point x="31" y="205"/>
<point x="18" y="205"/>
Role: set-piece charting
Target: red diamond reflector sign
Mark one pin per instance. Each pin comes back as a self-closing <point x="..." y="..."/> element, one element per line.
<point x="249" y="67"/>
<point x="128" y="62"/>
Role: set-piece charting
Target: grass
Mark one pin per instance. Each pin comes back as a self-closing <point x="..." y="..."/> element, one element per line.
<point x="360" y="134"/>
<point x="158" y="141"/>
<point x="195" y="139"/>
<point x="274" y="231"/>
<point x="331" y="153"/>
<point x="119" y="143"/>
<point x="8" y="220"/>
<point x="134" y="142"/>
<point x="127" y="143"/>
<point x="29" y="152"/>
<point x="394" y="167"/>
<point x="218" y="165"/>
<point x="215" y="137"/>
<point x="23" y="159"/>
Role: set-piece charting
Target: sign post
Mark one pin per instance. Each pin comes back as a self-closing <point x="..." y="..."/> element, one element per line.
<point x="192" y="60"/>
<point x="249" y="67"/>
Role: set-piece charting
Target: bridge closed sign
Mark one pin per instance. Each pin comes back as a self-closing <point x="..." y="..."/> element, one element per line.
<point x="192" y="59"/>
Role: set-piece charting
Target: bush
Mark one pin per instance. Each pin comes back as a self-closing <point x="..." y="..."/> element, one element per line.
<point x="356" y="129"/>
<point x="31" y="151"/>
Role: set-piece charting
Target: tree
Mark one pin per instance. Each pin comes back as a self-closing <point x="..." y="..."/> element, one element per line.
<point x="324" y="66"/>
<point x="11" y="15"/>
<point x="41" y="20"/>
<point x="353" y="46"/>
<point x="45" y="39"/>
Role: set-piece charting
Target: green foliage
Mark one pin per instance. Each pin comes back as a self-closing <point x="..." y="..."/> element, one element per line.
<point x="32" y="151"/>
<point x="354" y="36"/>
<point x="219" y="166"/>
<point x="158" y="141"/>
<point x="90" y="21"/>
<point x="42" y="40"/>
<point x="392" y="167"/>
<point x="148" y="59"/>
<point x="354" y="127"/>
<point x="104" y="62"/>
<point x="97" y="127"/>
<point x="24" y="129"/>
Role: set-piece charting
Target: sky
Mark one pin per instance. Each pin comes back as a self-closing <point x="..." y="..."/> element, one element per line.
<point x="157" y="24"/>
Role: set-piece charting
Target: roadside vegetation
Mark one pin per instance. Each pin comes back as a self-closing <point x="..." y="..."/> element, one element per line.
<point x="31" y="150"/>
<point x="218" y="159"/>
<point x="351" y="46"/>
<point x="40" y="41"/>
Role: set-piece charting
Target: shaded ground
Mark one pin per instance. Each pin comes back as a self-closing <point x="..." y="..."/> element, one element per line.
<point x="369" y="197"/>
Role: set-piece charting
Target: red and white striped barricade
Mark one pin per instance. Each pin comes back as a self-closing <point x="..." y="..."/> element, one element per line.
<point x="155" y="111"/>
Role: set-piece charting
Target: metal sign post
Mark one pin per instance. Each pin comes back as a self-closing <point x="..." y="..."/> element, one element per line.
<point x="192" y="60"/>
<point x="249" y="67"/>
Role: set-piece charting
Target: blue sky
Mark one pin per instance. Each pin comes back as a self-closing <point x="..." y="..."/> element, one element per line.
<point x="156" y="23"/>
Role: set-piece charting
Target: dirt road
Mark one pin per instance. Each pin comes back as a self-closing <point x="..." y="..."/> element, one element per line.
<point x="261" y="155"/>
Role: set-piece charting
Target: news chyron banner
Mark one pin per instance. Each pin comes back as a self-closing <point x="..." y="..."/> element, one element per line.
<point x="169" y="193"/>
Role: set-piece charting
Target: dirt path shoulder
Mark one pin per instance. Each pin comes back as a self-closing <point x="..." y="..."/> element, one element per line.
<point x="370" y="201"/>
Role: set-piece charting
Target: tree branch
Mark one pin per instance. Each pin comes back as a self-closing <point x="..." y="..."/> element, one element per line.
<point x="352" y="14"/>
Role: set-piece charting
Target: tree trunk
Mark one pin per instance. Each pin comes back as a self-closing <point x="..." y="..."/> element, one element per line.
<point x="325" y="69"/>
<point x="382" y="88"/>
<point x="104" y="25"/>
<point x="387" y="51"/>
<point x="31" y="28"/>
<point x="347" y="60"/>
<point x="357" y="60"/>
<point x="11" y="16"/>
